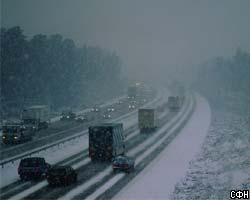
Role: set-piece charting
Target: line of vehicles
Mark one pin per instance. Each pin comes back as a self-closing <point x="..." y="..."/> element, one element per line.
<point x="32" y="119"/>
<point x="37" y="117"/>
<point x="106" y="144"/>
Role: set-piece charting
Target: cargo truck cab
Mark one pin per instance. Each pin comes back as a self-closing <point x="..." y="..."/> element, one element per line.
<point x="16" y="133"/>
<point x="36" y="117"/>
<point x="147" y="120"/>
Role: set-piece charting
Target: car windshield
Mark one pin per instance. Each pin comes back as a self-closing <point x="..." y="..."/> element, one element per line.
<point x="31" y="163"/>
<point x="121" y="160"/>
<point x="10" y="129"/>
<point x="29" y="121"/>
<point x="66" y="112"/>
<point x="58" y="171"/>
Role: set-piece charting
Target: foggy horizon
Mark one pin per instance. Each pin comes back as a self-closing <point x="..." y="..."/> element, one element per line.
<point x="147" y="35"/>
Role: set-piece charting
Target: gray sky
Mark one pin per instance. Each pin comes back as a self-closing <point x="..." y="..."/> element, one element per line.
<point x="149" y="35"/>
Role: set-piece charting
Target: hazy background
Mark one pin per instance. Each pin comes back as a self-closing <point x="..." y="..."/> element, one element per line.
<point x="149" y="36"/>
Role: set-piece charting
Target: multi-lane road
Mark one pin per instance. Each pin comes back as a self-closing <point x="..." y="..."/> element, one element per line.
<point x="96" y="180"/>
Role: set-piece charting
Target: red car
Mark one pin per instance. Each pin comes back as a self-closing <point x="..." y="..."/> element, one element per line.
<point x="123" y="163"/>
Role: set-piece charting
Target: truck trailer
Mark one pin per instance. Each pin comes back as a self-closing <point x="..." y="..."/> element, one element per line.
<point x="147" y="119"/>
<point x="174" y="103"/>
<point x="132" y="92"/>
<point x="106" y="141"/>
<point x="37" y="117"/>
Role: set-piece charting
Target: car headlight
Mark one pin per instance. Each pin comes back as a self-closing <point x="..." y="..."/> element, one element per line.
<point x="67" y="117"/>
<point x="3" y="137"/>
<point x="34" y="127"/>
<point x="15" y="137"/>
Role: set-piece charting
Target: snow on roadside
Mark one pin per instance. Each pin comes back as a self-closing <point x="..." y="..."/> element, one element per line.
<point x="224" y="162"/>
<point x="158" y="179"/>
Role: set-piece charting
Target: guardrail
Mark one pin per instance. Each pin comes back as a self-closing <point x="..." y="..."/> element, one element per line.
<point x="58" y="143"/>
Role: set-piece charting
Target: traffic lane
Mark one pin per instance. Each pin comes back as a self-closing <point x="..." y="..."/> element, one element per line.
<point x="85" y="173"/>
<point x="56" y="127"/>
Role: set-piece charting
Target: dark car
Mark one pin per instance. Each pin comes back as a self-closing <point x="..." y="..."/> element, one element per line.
<point x="123" y="163"/>
<point x="120" y="102"/>
<point x="81" y="118"/>
<point x="111" y="109"/>
<point x="61" y="175"/>
<point x="68" y="115"/>
<point x="131" y="106"/>
<point x="95" y="109"/>
<point x="107" y="115"/>
<point x="33" y="167"/>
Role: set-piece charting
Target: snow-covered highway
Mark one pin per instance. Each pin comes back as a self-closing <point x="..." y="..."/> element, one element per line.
<point x="158" y="179"/>
<point x="96" y="180"/>
<point x="66" y="150"/>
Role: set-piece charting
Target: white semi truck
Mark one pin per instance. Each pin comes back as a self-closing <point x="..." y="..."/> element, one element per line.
<point x="36" y="117"/>
<point x="147" y="119"/>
